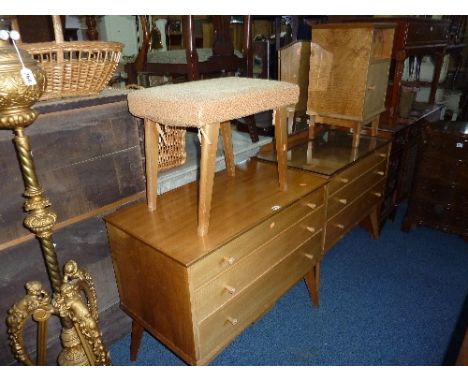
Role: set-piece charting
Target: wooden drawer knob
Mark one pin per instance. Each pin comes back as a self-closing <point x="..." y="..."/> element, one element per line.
<point x="230" y="289"/>
<point x="344" y="180"/>
<point x="382" y="155"/>
<point x="311" y="205"/>
<point x="340" y="226"/>
<point x="343" y="201"/>
<point x="371" y="87"/>
<point x="311" y="229"/>
<point x="230" y="260"/>
<point x="378" y="194"/>
<point x="309" y="256"/>
<point x="232" y="321"/>
<point x="381" y="173"/>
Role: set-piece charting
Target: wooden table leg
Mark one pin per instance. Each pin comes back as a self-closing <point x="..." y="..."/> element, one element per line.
<point x="371" y="223"/>
<point x="375" y="126"/>
<point x="312" y="280"/>
<point x="137" y="334"/>
<point x="226" y="133"/>
<point x="151" y="157"/>
<point x="209" y="144"/>
<point x="281" y="139"/>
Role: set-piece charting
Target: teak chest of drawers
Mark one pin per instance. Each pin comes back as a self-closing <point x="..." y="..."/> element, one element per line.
<point x="356" y="193"/>
<point x="356" y="178"/>
<point x="196" y="294"/>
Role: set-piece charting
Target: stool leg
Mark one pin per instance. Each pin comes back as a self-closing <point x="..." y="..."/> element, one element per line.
<point x="151" y="156"/>
<point x="281" y="139"/>
<point x="207" y="167"/>
<point x="226" y="133"/>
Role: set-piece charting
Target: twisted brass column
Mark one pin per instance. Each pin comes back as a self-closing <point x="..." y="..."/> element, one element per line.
<point x="81" y="338"/>
<point x="40" y="219"/>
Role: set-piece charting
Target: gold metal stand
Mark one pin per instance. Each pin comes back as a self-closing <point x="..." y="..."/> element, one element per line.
<point x="81" y="338"/>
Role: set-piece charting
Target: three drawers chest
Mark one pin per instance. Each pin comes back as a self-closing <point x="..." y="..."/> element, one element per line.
<point x="196" y="294"/>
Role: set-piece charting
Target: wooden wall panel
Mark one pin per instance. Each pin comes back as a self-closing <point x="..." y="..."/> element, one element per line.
<point x="85" y="158"/>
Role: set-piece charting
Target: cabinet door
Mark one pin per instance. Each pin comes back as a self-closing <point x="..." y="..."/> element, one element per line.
<point x="339" y="60"/>
<point x="376" y="89"/>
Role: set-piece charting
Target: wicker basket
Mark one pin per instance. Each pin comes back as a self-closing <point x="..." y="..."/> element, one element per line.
<point x="74" y="68"/>
<point x="172" y="151"/>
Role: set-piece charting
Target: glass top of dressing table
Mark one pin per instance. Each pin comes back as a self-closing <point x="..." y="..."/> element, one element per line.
<point x="330" y="152"/>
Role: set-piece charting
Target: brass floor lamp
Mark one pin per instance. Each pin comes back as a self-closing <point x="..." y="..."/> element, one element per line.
<point x="22" y="83"/>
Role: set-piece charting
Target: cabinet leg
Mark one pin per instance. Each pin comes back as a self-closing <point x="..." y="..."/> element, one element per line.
<point x="312" y="280"/>
<point x="137" y="334"/>
<point x="375" y="126"/>
<point x="356" y="135"/>
<point x="311" y="127"/>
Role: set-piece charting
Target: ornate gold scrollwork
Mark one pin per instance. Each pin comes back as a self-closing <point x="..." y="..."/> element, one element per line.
<point x="82" y="343"/>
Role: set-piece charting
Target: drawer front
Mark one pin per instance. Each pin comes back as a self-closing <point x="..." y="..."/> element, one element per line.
<point x="226" y="286"/>
<point x="424" y="33"/>
<point x="376" y="90"/>
<point x="340" y="224"/>
<point x="232" y="252"/>
<point x="354" y="190"/>
<point x="220" y="328"/>
<point x="347" y="176"/>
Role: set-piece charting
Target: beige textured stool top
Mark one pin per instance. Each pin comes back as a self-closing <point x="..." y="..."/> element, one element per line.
<point x="198" y="103"/>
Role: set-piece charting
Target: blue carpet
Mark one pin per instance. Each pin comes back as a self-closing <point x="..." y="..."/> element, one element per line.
<point x="394" y="301"/>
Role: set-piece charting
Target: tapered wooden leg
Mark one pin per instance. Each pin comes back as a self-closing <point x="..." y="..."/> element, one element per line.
<point x="375" y="223"/>
<point x="226" y="133"/>
<point x="371" y="223"/>
<point x="312" y="127"/>
<point x="312" y="280"/>
<point x="151" y="157"/>
<point x="137" y="334"/>
<point x="281" y="139"/>
<point x="209" y="144"/>
<point x="356" y="134"/>
<point x="375" y="126"/>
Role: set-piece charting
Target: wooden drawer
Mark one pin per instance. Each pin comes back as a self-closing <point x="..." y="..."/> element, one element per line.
<point x="230" y="283"/>
<point x="421" y="33"/>
<point x="340" y="224"/>
<point x="217" y="330"/>
<point x="232" y="252"/>
<point x="376" y="88"/>
<point x="356" y="170"/>
<point x="354" y="190"/>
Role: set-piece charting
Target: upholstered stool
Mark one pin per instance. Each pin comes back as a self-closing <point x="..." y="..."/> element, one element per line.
<point x="210" y="105"/>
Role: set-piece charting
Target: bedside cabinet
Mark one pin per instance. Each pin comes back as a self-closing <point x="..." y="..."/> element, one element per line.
<point x="439" y="198"/>
<point x="349" y="69"/>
